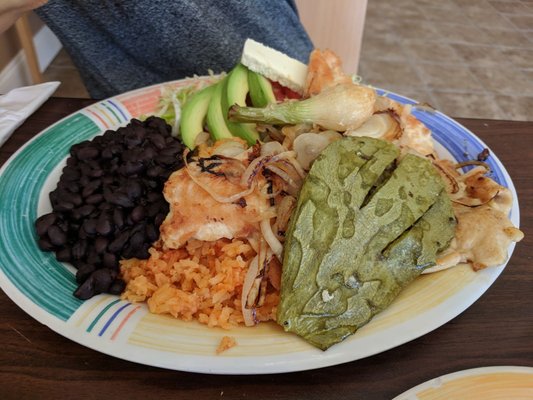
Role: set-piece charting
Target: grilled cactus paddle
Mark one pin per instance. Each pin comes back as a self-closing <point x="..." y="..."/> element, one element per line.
<point x="363" y="229"/>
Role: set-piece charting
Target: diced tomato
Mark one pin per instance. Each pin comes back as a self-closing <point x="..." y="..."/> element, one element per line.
<point x="283" y="93"/>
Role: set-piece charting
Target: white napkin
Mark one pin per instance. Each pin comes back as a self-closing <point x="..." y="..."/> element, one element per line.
<point x="19" y="104"/>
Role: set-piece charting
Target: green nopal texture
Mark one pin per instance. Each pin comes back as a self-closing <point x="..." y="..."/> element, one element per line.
<point x="363" y="229"/>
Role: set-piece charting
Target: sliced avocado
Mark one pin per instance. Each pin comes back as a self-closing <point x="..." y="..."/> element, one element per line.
<point x="236" y="92"/>
<point x="193" y="115"/>
<point x="215" y="116"/>
<point x="261" y="91"/>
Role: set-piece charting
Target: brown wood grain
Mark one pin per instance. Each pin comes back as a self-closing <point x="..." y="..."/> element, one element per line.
<point x="37" y="363"/>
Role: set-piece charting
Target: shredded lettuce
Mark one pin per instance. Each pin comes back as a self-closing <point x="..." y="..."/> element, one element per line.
<point x="172" y="100"/>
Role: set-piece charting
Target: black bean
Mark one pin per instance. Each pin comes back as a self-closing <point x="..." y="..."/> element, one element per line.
<point x="94" y="164"/>
<point x="152" y="210"/>
<point x="165" y="160"/>
<point x="118" y="218"/>
<point x="86" y="289"/>
<point x="155" y="171"/>
<point x="138" y="214"/>
<point x="137" y="239"/>
<point x="63" y="205"/>
<point x="68" y="188"/>
<point x="129" y="221"/>
<point x="148" y="153"/>
<point x="151" y="184"/>
<point x="74" y="226"/>
<point x="104" y="226"/>
<point x="116" y="245"/>
<point x="45" y="244"/>
<point x="96" y="172"/>
<point x="94" y="198"/>
<point x="164" y="207"/>
<point x="157" y="124"/>
<point x="83" y="272"/>
<point x="93" y="258"/>
<point x="60" y="192"/>
<point x="116" y="148"/>
<point x="79" y="249"/>
<point x="108" y="134"/>
<point x="70" y="174"/>
<point x="89" y="226"/>
<point x="175" y="145"/>
<point x="64" y="254"/>
<point x="108" y="180"/>
<point x="63" y="224"/>
<point x="103" y="279"/>
<point x="44" y="222"/>
<point x="86" y="210"/>
<point x="100" y="244"/>
<point x="110" y="260"/>
<point x="131" y="168"/>
<point x="117" y="287"/>
<point x="135" y="243"/>
<point x="62" y="184"/>
<point x="158" y="141"/>
<point x="57" y="236"/>
<point x="85" y="170"/>
<point x="133" y="189"/>
<point x="132" y="140"/>
<point x="153" y="197"/>
<point x="142" y="252"/>
<point x="73" y="198"/>
<point x="109" y="189"/>
<point x="106" y="206"/>
<point x="84" y="180"/>
<point x="79" y="146"/>
<point x="87" y="153"/>
<point x="151" y="233"/>
<point x="53" y="198"/>
<point x="168" y="152"/>
<point x="107" y="153"/>
<point x="138" y="131"/>
<point x="72" y="186"/>
<point x="131" y="154"/>
<point x="120" y="199"/>
<point x="159" y="218"/>
<point x="91" y="187"/>
<point x="75" y="215"/>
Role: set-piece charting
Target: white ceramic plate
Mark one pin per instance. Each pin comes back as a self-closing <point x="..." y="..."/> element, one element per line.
<point x="43" y="287"/>
<point x="487" y="383"/>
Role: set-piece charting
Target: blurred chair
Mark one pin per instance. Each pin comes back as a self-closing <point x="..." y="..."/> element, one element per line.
<point x="336" y="25"/>
<point x="26" y="41"/>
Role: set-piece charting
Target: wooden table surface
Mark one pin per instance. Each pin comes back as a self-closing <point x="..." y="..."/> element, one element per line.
<point x="37" y="363"/>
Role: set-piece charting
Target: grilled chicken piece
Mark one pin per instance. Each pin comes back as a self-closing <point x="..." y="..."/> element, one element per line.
<point x="196" y="214"/>
<point x="323" y="71"/>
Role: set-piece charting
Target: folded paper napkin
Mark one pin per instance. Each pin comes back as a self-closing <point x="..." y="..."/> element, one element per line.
<point x="19" y="104"/>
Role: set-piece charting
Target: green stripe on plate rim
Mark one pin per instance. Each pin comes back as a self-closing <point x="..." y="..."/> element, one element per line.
<point x="36" y="274"/>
